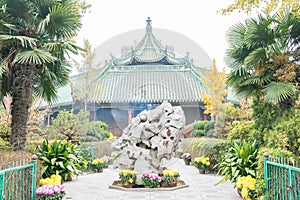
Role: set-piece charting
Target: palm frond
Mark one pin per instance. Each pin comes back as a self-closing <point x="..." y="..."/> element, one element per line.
<point x="35" y="56"/>
<point x="235" y="35"/>
<point x="23" y="40"/>
<point x="43" y="23"/>
<point x="45" y="86"/>
<point x="258" y="56"/>
<point x="7" y="25"/>
<point x="236" y="77"/>
<point x="278" y="91"/>
<point x="258" y="81"/>
<point x="258" y="32"/>
<point x="19" y="9"/>
<point x="60" y="48"/>
<point x="64" y="22"/>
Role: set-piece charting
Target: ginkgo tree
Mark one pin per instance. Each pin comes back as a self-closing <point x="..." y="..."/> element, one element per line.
<point x="214" y="97"/>
<point x="87" y="67"/>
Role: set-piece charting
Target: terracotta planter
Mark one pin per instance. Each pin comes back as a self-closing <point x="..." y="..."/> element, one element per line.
<point x="100" y="170"/>
<point x="69" y="178"/>
<point x="168" y="184"/>
<point x="201" y="171"/>
<point x="187" y="162"/>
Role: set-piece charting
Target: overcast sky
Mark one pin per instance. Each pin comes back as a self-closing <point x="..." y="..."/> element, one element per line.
<point x="196" y="19"/>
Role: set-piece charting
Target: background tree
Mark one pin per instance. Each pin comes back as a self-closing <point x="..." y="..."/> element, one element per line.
<point x="214" y="98"/>
<point x="35" y="37"/>
<point x="67" y="123"/>
<point x="87" y="68"/>
<point x="264" y="5"/>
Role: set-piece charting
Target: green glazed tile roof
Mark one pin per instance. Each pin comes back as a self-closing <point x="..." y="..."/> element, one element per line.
<point x="148" y="83"/>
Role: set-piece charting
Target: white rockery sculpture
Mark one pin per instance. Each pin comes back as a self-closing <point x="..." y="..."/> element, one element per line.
<point x="150" y="137"/>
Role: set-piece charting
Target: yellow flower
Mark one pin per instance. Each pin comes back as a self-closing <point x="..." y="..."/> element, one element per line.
<point x="239" y="184"/>
<point x="43" y="182"/>
<point x="130" y="180"/>
<point x="165" y="172"/>
<point x="244" y="193"/>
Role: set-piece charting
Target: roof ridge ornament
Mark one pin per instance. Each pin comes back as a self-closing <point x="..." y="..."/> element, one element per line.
<point x="149" y="27"/>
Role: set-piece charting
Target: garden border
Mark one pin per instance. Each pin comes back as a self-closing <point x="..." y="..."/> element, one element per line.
<point x="159" y="189"/>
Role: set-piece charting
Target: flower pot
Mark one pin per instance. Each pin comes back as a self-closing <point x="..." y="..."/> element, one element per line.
<point x="187" y="162"/>
<point x="201" y="171"/>
<point x="100" y="170"/>
<point x="69" y="178"/>
<point x="164" y="184"/>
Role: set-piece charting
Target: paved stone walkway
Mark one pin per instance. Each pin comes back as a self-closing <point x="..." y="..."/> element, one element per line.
<point x="201" y="187"/>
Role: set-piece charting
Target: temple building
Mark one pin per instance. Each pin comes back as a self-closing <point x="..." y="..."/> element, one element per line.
<point x="142" y="77"/>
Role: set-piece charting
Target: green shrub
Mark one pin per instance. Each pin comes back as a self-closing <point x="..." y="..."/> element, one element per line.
<point x="5" y="130"/>
<point x="93" y="131"/>
<point x="242" y="130"/>
<point x="198" y="133"/>
<point x="286" y="133"/>
<point x="62" y="157"/>
<point x="217" y="153"/>
<point x="240" y="160"/>
<point x="215" y="149"/>
<point x="4" y="144"/>
<point x="202" y="128"/>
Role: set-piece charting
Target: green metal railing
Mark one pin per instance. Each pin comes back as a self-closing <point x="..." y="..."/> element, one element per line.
<point x="282" y="179"/>
<point x="18" y="182"/>
<point x="89" y="154"/>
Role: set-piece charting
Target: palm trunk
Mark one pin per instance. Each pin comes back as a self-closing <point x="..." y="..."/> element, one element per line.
<point x="22" y="86"/>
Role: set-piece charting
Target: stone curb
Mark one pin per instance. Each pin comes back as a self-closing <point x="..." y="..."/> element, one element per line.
<point x="147" y="189"/>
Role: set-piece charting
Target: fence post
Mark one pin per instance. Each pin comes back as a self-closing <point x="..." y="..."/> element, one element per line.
<point x="92" y="157"/>
<point x="266" y="175"/>
<point x="2" y="180"/>
<point x="33" y="186"/>
<point x="290" y="186"/>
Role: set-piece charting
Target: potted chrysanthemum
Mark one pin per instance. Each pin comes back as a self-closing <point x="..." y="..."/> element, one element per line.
<point x="50" y="192"/>
<point x="201" y="163"/>
<point x="151" y="180"/>
<point x="179" y="152"/>
<point x="170" y="177"/>
<point x="246" y="187"/>
<point x="187" y="158"/>
<point x="127" y="177"/>
<point x="50" y="188"/>
<point x="98" y="164"/>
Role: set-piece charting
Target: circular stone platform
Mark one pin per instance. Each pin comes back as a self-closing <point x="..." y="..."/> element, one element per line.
<point x="117" y="186"/>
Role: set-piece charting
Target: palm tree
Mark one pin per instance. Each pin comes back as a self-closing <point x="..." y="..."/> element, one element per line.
<point x="35" y="37"/>
<point x="264" y="56"/>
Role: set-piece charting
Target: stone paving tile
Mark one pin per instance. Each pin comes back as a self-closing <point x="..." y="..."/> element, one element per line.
<point x="201" y="187"/>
